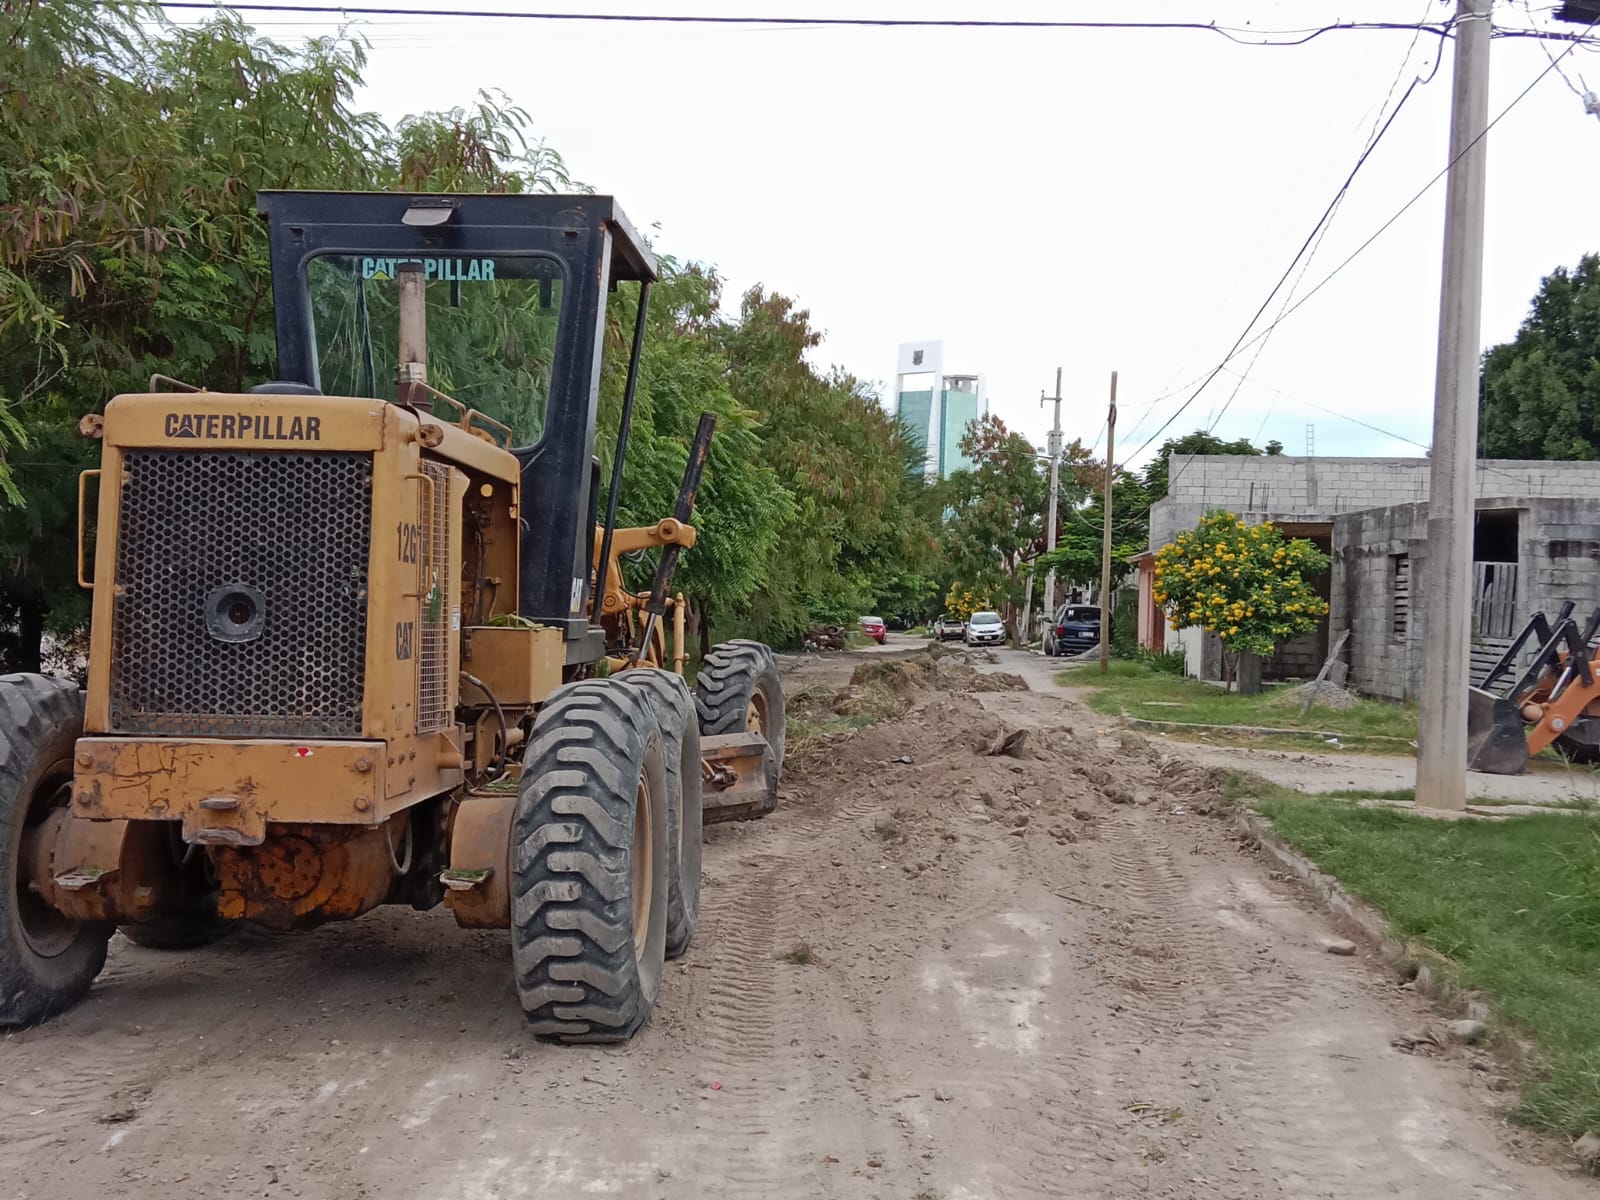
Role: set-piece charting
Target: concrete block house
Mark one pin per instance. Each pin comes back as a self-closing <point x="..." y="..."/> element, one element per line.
<point x="1536" y="544"/>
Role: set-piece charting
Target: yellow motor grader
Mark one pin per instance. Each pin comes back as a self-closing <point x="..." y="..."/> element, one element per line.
<point x="351" y="647"/>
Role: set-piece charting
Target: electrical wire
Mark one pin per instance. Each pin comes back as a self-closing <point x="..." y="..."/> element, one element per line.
<point x="1244" y="37"/>
<point x="1406" y="207"/>
<point x="1306" y="246"/>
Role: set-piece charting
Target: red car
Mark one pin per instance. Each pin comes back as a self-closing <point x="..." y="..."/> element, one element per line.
<point x="875" y="629"/>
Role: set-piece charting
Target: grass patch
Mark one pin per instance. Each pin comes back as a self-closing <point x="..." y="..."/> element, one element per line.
<point x="817" y="716"/>
<point x="1133" y="689"/>
<point x="1511" y="908"/>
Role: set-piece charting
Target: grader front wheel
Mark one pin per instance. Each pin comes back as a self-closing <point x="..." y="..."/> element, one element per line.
<point x="47" y="960"/>
<point x="739" y="691"/>
<point x="588" y="861"/>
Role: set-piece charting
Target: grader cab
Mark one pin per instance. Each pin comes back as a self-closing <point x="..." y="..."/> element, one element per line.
<point x="352" y="647"/>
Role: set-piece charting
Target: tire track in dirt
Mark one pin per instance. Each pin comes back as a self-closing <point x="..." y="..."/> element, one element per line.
<point x="734" y="967"/>
<point x="1200" y="967"/>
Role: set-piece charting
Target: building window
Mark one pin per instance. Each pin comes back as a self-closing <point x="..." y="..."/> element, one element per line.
<point x="1399" y="596"/>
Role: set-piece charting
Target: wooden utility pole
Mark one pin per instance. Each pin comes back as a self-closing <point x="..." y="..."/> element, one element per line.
<point x="1447" y="600"/>
<point x="1105" y="543"/>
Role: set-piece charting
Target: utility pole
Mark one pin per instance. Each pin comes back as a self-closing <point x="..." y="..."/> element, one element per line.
<point x="1447" y="600"/>
<point x="1106" y="604"/>
<point x="1053" y="448"/>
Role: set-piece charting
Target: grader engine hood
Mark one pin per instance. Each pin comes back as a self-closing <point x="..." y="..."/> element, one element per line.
<point x="269" y="567"/>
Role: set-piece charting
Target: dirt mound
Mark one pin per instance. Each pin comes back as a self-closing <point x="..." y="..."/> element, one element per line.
<point x="936" y="670"/>
<point x="1316" y="694"/>
<point x="935" y="762"/>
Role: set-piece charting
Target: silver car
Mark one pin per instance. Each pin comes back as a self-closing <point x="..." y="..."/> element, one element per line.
<point x="985" y="629"/>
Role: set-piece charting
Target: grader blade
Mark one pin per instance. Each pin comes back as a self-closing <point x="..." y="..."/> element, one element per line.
<point x="740" y="777"/>
<point x="1497" y="740"/>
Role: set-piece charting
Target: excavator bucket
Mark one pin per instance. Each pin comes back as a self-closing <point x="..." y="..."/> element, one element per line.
<point x="1497" y="740"/>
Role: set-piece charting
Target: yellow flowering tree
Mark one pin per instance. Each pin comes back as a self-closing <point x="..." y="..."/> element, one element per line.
<point x="1248" y="584"/>
<point x="962" y="601"/>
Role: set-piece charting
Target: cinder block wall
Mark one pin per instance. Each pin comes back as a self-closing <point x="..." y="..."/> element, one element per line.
<point x="1558" y="560"/>
<point x="1284" y="487"/>
<point x="1381" y="663"/>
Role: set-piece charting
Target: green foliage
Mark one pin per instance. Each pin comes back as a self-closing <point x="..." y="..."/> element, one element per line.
<point x="856" y="532"/>
<point x="1162" y="662"/>
<point x="1247" y="584"/>
<point x="1199" y="442"/>
<point x="1152" y="688"/>
<point x="1541" y="391"/>
<point x="1079" y="540"/>
<point x="131" y="153"/>
<point x="961" y="602"/>
<point x="997" y="511"/>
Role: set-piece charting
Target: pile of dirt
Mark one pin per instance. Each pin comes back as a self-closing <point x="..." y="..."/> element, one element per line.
<point x="936" y="671"/>
<point x="935" y="762"/>
<point x="1316" y="694"/>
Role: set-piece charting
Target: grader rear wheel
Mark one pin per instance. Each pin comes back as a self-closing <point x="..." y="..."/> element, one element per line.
<point x="588" y="863"/>
<point x="674" y="710"/>
<point x="47" y="960"/>
<point x="738" y="691"/>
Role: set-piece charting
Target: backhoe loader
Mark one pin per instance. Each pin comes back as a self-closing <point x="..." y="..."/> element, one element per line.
<point x="1555" y="701"/>
<point x="350" y="646"/>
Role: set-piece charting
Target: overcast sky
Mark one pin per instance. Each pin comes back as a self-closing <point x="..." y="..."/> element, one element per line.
<point x="1093" y="200"/>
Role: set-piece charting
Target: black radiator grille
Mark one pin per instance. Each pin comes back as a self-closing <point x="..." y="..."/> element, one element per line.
<point x="292" y="528"/>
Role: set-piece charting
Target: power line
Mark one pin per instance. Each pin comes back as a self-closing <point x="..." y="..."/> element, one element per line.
<point x="1244" y="37"/>
<point x="1305" y="246"/>
<point x="1380" y="126"/>
<point x="1406" y="207"/>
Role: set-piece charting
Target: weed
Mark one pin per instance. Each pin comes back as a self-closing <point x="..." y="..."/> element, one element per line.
<point x="1134" y="689"/>
<point x="799" y="956"/>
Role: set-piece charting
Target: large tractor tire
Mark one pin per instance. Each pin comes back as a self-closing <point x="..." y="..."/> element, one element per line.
<point x="674" y="711"/>
<point x="47" y="961"/>
<point x="738" y="690"/>
<point x="1580" y="753"/>
<point x="589" y="865"/>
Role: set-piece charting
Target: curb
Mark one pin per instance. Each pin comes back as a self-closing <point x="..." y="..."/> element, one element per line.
<point x="1358" y="919"/>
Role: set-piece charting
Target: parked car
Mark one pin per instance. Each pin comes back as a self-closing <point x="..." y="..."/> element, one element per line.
<point x="949" y="629"/>
<point x="875" y="629"/>
<point x="1076" y="628"/>
<point x="985" y="629"/>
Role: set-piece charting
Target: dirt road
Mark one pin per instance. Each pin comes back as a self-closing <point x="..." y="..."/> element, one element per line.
<point x="1034" y="975"/>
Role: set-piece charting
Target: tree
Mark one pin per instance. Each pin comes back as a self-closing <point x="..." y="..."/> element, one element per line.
<point x="1077" y="556"/>
<point x="131" y="153"/>
<point x="742" y="506"/>
<point x="844" y="459"/>
<point x="1540" y="392"/>
<point x="1201" y="441"/>
<point x="997" y="512"/>
<point x="1247" y="584"/>
<point x="961" y="601"/>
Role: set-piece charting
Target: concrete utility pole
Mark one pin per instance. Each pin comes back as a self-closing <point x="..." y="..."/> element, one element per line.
<point x="1053" y="447"/>
<point x="1106" y="604"/>
<point x="1447" y="598"/>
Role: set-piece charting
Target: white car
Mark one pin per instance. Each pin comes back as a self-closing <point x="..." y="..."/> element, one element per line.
<point x="985" y="629"/>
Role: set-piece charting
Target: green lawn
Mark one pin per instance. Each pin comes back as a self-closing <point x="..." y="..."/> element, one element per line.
<point x="1511" y="908"/>
<point x="1135" y="690"/>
